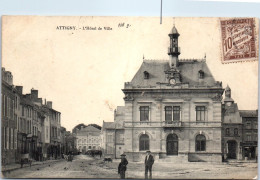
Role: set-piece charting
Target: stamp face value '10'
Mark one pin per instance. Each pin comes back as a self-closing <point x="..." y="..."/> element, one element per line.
<point x="239" y="40"/>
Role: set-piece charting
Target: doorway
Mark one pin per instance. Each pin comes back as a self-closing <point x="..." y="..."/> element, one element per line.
<point x="232" y="149"/>
<point x="172" y="144"/>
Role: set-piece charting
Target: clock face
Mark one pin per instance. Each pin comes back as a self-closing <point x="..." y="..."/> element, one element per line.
<point x="172" y="81"/>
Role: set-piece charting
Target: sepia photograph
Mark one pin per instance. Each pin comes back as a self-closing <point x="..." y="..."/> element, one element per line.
<point x="109" y="97"/>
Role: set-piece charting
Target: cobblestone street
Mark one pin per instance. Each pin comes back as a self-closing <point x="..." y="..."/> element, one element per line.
<point x="86" y="167"/>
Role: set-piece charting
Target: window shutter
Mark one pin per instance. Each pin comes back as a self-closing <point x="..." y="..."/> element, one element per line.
<point x="7" y="138"/>
<point x="15" y="139"/>
<point x="4" y="138"/>
<point x="11" y="138"/>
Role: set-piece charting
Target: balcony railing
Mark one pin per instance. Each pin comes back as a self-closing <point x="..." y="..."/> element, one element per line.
<point x="172" y="124"/>
<point x="152" y="124"/>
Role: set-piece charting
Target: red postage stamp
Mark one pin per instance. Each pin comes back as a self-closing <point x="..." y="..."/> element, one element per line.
<point x="239" y="38"/>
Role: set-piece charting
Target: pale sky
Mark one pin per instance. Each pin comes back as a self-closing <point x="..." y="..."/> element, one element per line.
<point x="83" y="71"/>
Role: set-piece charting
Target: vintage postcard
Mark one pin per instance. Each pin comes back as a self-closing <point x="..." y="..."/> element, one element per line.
<point x="128" y="97"/>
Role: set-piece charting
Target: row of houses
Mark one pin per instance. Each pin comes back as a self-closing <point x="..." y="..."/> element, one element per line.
<point x="29" y="125"/>
<point x="175" y="108"/>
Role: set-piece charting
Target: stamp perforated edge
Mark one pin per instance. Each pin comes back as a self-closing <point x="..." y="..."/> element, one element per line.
<point x="256" y="32"/>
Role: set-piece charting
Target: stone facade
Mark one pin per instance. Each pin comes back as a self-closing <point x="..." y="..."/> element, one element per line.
<point x="250" y="134"/>
<point x="231" y="128"/>
<point x="172" y="108"/>
<point x="88" y="138"/>
<point x="25" y="123"/>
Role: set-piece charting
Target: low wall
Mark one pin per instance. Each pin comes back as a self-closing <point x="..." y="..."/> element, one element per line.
<point x="204" y="157"/>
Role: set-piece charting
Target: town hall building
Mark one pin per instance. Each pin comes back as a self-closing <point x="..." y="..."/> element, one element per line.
<point x="173" y="109"/>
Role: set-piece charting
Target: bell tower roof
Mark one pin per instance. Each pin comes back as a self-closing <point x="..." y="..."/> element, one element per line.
<point x="174" y="30"/>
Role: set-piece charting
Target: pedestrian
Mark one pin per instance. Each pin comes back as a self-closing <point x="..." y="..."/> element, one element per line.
<point x="122" y="166"/>
<point x="149" y="160"/>
<point x="100" y="154"/>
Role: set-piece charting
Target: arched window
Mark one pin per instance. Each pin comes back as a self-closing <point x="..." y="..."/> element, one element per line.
<point x="200" y="143"/>
<point x="144" y="142"/>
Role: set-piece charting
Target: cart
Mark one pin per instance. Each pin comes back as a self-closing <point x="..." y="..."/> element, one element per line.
<point x="25" y="160"/>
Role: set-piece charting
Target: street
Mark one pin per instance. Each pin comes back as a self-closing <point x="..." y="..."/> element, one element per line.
<point x="87" y="167"/>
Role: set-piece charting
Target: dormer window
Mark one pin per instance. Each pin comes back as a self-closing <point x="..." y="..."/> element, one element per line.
<point x="201" y="74"/>
<point x="146" y="75"/>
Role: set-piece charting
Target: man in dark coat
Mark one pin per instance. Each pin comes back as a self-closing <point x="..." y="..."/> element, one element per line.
<point x="122" y="166"/>
<point x="149" y="160"/>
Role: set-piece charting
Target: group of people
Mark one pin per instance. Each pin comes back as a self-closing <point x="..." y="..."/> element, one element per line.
<point x="149" y="160"/>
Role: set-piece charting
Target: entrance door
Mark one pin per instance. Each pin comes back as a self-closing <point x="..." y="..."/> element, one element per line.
<point x="172" y="144"/>
<point x="232" y="149"/>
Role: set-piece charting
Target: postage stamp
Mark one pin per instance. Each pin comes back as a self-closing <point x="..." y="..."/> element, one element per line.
<point x="239" y="39"/>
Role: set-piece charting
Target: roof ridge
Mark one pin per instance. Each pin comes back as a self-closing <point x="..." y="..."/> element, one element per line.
<point x="192" y="60"/>
<point x="156" y="60"/>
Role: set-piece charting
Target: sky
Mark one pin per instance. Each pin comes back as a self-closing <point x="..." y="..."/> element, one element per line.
<point x="84" y="71"/>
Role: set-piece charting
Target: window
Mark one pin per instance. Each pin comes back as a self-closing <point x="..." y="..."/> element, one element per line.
<point x="201" y="74"/>
<point x="89" y="147"/>
<point x="176" y="113"/>
<point x="109" y="138"/>
<point x="3" y="105"/>
<point x="11" y="138"/>
<point x="248" y="137"/>
<point x="146" y="75"/>
<point x="168" y="113"/>
<point x="227" y="132"/>
<point x="15" y="139"/>
<point x="200" y="143"/>
<point x="172" y="113"/>
<point x="7" y="138"/>
<point x="144" y="142"/>
<point x="256" y="125"/>
<point x="200" y="113"/>
<point x="144" y="113"/>
<point x="248" y="125"/>
<point x="235" y="131"/>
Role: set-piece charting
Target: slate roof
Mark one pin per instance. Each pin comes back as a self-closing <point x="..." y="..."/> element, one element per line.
<point x="90" y="129"/>
<point x="248" y="113"/>
<point x="156" y="69"/>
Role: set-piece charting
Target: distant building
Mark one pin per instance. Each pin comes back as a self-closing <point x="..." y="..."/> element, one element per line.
<point x="113" y="135"/>
<point x="231" y="128"/>
<point x="88" y="138"/>
<point x="250" y="133"/>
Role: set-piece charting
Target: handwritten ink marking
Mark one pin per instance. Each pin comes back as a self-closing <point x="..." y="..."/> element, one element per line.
<point x="121" y="24"/>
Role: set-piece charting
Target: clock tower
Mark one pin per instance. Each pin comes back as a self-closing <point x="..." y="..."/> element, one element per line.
<point x="174" y="50"/>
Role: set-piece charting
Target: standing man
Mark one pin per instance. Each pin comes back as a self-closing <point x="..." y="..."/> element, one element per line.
<point x="122" y="166"/>
<point x="149" y="160"/>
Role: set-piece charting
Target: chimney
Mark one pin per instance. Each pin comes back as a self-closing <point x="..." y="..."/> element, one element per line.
<point x="34" y="94"/>
<point x="49" y="104"/>
<point x="45" y="102"/>
<point x="19" y="89"/>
